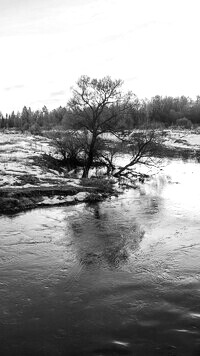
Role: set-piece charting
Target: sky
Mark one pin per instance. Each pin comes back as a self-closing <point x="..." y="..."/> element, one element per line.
<point x="46" y="45"/>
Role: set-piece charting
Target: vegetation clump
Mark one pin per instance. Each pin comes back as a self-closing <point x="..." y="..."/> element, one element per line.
<point x="184" y="123"/>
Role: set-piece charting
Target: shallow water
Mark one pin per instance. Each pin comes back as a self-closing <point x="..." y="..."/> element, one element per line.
<point x="120" y="277"/>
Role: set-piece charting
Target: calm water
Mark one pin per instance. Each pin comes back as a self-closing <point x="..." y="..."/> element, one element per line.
<point x="117" y="278"/>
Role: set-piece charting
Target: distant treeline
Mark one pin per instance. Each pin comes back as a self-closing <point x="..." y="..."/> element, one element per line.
<point x="157" y="112"/>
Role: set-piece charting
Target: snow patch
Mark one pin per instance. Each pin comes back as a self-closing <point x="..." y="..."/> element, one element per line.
<point x="68" y="199"/>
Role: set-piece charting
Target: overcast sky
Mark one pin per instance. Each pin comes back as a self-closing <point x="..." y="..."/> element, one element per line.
<point x="153" y="45"/>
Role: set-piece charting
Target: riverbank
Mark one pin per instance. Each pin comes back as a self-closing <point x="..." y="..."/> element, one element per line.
<point x="27" y="181"/>
<point x="15" y="200"/>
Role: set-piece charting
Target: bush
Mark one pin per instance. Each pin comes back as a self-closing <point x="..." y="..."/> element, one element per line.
<point x="184" y="123"/>
<point x="35" y="129"/>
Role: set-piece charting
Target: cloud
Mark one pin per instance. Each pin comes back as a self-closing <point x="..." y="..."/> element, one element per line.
<point x="14" y="87"/>
<point x="58" y="93"/>
<point x="130" y="79"/>
<point x="51" y="103"/>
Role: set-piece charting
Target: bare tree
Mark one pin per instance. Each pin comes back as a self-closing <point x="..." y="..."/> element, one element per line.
<point x="141" y="147"/>
<point x="70" y="146"/>
<point x="96" y="106"/>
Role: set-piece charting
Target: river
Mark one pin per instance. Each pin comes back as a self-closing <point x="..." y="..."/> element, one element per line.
<point x="120" y="277"/>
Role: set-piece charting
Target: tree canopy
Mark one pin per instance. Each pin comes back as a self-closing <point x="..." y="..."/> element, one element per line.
<point x="97" y="106"/>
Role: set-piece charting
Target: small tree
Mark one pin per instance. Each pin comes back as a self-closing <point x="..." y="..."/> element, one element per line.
<point x="97" y="106"/>
<point x="69" y="147"/>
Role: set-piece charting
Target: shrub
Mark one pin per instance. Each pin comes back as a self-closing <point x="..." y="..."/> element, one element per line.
<point x="35" y="129"/>
<point x="184" y="123"/>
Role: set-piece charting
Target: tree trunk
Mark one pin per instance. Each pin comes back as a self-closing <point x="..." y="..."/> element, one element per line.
<point x="88" y="164"/>
<point x="90" y="158"/>
<point x="85" y="172"/>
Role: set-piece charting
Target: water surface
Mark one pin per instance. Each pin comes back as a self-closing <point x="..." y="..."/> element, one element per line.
<point x="120" y="277"/>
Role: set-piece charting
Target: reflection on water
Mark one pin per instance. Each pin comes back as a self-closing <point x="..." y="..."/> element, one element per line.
<point x="101" y="235"/>
<point x="114" y="278"/>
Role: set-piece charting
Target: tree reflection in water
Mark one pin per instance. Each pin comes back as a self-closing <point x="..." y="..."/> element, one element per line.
<point x="102" y="239"/>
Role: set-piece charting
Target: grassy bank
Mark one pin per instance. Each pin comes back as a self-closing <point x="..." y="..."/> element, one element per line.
<point x="15" y="200"/>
